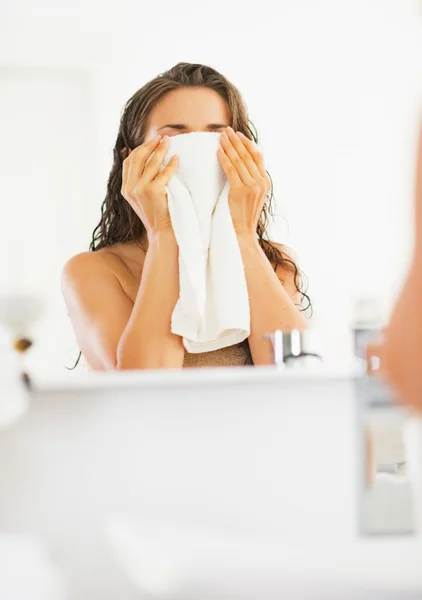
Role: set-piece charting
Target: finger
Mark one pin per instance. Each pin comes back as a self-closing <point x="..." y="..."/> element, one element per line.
<point x="153" y="166"/>
<point x="134" y="164"/>
<point x="245" y="154"/>
<point x="167" y="173"/>
<point x="147" y="147"/>
<point x="228" y="168"/>
<point x="236" y="160"/>
<point x="257" y="156"/>
<point x="125" y="172"/>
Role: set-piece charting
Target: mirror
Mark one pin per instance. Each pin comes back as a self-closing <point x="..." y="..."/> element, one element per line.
<point x="338" y="142"/>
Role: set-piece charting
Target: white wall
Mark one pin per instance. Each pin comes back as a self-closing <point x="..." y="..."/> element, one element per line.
<point x="334" y="88"/>
<point x="47" y="188"/>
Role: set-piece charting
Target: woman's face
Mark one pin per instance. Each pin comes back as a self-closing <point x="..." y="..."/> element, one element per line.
<point x="188" y="109"/>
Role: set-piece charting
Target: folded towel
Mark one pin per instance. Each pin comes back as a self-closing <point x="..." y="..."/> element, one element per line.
<point x="213" y="307"/>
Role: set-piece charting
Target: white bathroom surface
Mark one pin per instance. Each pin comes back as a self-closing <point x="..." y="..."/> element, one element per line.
<point x="27" y="572"/>
<point x="174" y="562"/>
<point x="177" y="377"/>
<point x="235" y="449"/>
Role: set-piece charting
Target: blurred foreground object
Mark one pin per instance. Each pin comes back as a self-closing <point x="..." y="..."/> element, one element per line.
<point x="18" y="314"/>
<point x="401" y="353"/>
<point x="27" y="572"/>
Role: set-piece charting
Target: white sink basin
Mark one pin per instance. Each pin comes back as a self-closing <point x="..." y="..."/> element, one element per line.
<point x="276" y="454"/>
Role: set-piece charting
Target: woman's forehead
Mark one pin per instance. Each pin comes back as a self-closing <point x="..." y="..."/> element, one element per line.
<point x="190" y="104"/>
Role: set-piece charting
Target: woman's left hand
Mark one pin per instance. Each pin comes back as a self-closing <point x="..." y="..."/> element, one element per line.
<point x="250" y="184"/>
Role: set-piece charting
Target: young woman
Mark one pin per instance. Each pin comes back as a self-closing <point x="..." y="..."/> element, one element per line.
<point x="121" y="295"/>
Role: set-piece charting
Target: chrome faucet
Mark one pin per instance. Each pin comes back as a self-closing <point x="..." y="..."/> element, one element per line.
<point x="294" y="348"/>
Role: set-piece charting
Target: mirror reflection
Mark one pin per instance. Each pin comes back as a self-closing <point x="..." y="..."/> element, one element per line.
<point x="182" y="251"/>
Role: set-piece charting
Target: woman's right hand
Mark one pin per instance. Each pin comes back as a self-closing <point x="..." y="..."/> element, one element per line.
<point x="144" y="184"/>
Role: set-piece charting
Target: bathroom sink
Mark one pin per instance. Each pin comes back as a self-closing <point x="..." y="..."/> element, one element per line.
<point x="267" y="454"/>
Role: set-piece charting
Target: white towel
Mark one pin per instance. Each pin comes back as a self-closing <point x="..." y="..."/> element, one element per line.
<point x="213" y="307"/>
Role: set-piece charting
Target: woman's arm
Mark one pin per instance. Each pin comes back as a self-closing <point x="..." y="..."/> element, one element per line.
<point x="147" y="341"/>
<point x="113" y="333"/>
<point x="272" y="304"/>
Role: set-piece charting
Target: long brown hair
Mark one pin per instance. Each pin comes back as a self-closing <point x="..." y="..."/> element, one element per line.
<point x="118" y="222"/>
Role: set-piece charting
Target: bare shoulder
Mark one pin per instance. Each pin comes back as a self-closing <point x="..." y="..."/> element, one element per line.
<point x="86" y="265"/>
<point x="285" y="251"/>
<point x="288" y="266"/>
<point x="90" y="272"/>
<point x="121" y="260"/>
<point x="286" y="270"/>
<point x="116" y="269"/>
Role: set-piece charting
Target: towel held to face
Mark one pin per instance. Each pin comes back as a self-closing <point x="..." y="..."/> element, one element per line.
<point x="212" y="311"/>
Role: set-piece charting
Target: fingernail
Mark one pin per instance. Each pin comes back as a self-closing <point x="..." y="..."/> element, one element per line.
<point x="230" y="130"/>
<point x="165" y="139"/>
